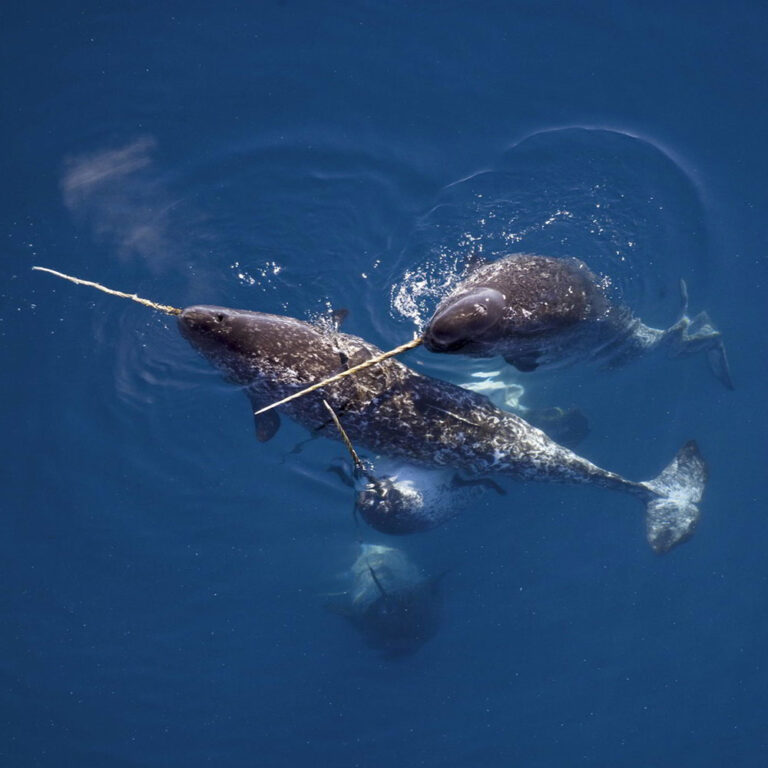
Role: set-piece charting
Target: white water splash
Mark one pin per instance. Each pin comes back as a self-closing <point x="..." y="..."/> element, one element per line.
<point x="260" y="275"/>
<point x="417" y="294"/>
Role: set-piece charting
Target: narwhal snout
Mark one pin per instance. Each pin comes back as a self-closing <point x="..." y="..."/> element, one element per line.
<point x="230" y="339"/>
<point x="201" y="320"/>
<point x="463" y="320"/>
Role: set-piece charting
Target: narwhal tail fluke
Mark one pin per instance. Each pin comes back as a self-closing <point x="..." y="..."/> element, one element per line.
<point x="672" y="511"/>
<point x="718" y="364"/>
<point x="691" y="336"/>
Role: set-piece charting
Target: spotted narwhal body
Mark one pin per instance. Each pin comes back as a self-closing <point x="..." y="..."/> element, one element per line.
<point x="391" y="410"/>
<point x="544" y="312"/>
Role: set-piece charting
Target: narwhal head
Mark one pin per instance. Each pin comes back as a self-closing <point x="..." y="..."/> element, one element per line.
<point x="461" y="321"/>
<point x="233" y="340"/>
<point x="390" y="505"/>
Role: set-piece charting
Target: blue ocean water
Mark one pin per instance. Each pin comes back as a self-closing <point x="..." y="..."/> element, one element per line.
<point x="164" y="575"/>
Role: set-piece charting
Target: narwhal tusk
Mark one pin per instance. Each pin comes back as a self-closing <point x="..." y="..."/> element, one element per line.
<point x="169" y="310"/>
<point x="354" y="369"/>
<point x="176" y="311"/>
<point x="355" y="458"/>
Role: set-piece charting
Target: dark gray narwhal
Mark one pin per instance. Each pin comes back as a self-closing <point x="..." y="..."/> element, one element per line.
<point x="543" y="312"/>
<point x="395" y="609"/>
<point x="393" y="411"/>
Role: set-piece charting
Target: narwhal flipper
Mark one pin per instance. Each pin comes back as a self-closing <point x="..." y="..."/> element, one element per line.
<point x="691" y="336"/>
<point x="267" y="423"/>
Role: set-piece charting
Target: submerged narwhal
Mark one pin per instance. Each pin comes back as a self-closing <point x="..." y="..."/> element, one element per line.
<point x="543" y="312"/>
<point x="395" y="609"/>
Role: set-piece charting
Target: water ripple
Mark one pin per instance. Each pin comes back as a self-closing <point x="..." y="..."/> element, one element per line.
<point x="618" y="202"/>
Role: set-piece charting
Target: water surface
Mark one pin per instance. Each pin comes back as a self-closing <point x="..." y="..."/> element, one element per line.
<point x="164" y="573"/>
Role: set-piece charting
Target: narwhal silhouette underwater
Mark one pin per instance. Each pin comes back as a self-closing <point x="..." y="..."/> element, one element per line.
<point x="543" y="312"/>
<point x="394" y="411"/>
<point x="394" y="608"/>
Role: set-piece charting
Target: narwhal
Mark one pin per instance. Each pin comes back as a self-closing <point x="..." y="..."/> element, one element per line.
<point x="543" y="312"/>
<point x="395" y="609"/>
<point x="394" y="411"/>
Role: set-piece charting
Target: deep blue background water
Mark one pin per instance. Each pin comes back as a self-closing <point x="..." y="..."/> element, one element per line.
<point x="163" y="573"/>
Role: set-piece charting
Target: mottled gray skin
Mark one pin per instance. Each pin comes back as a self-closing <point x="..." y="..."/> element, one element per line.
<point x="406" y="499"/>
<point x="389" y="408"/>
<point x="543" y="312"/>
<point x="393" y="507"/>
